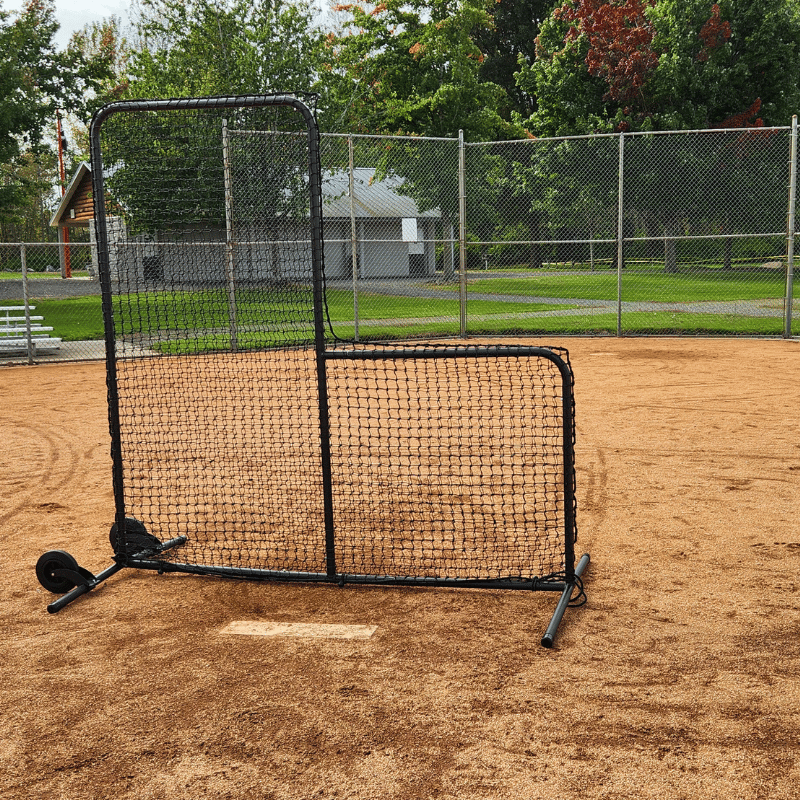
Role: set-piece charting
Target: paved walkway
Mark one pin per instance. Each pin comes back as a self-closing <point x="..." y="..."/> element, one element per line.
<point x="50" y="288"/>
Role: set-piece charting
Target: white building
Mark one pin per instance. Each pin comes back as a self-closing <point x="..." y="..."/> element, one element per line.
<point x="393" y="238"/>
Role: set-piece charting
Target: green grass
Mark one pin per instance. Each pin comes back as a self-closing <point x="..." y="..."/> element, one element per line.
<point x="643" y="323"/>
<point x="646" y="323"/>
<point x="81" y="318"/>
<point x="708" y="285"/>
<point x="381" y="318"/>
<point x="73" y="320"/>
<point x="373" y="306"/>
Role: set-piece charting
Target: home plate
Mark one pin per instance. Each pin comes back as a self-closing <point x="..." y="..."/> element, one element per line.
<point x="306" y="630"/>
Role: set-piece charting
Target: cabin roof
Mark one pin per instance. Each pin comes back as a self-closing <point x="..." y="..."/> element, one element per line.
<point x="78" y="193"/>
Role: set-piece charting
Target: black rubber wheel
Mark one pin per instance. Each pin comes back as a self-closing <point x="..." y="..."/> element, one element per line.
<point x="50" y="562"/>
<point x="136" y="538"/>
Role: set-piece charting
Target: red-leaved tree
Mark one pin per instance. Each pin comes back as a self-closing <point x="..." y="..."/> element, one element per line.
<point x="714" y="33"/>
<point x="620" y="43"/>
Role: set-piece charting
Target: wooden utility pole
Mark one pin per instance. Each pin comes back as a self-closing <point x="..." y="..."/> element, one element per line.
<point x="64" y="238"/>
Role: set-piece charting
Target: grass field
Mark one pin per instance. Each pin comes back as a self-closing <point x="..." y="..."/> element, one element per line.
<point x="643" y="285"/>
<point x="740" y="302"/>
<point x="76" y="319"/>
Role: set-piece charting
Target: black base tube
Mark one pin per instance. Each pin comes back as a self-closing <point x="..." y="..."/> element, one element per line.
<point x="95" y="580"/>
<point x="563" y="602"/>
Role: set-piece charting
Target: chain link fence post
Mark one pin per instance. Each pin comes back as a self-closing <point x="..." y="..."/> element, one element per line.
<point x="23" y="257"/>
<point x="620" y="231"/>
<point x="462" y="237"/>
<point x="353" y="235"/>
<point x="790" y="231"/>
<point x="230" y="240"/>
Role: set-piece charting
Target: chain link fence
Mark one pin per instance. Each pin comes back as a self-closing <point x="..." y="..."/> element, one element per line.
<point x="679" y="233"/>
<point x="391" y="228"/>
<point x="44" y="317"/>
<point x="705" y="234"/>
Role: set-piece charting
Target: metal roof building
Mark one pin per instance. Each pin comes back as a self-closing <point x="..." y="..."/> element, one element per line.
<point x="393" y="237"/>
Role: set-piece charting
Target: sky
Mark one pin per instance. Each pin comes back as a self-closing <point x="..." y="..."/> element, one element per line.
<point x="74" y="14"/>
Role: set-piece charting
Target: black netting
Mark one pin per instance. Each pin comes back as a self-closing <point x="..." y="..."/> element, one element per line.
<point x="446" y="462"/>
<point x="449" y="462"/>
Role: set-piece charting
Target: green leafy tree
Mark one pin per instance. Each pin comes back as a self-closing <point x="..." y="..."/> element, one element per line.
<point x="195" y="48"/>
<point x="508" y="40"/>
<point x="718" y="59"/>
<point x="103" y="44"/>
<point x="663" y="64"/>
<point x="35" y="80"/>
<point x="413" y="68"/>
<point x="28" y="219"/>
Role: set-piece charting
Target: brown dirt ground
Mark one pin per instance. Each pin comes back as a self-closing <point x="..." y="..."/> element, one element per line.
<point x="678" y="679"/>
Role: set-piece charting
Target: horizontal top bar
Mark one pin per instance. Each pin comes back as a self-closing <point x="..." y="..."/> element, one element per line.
<point x="627" y="135"/>
<point x="550" y="138"/>
<point x="387" y="136"/>
<point x="293" y="100"/>
<point x="467" y="351"/>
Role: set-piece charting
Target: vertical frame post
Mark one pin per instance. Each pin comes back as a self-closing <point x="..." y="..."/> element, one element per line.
<point x="790" y="231"/>
<point x="104" y="274"/>
<point x="353" y="236"/>
<point x="230" y="244"/>
<point x="568" y="448"/>
<point x="462" y="237"/>
<point x="620" y="240"/>
<point x="318" y="285"/>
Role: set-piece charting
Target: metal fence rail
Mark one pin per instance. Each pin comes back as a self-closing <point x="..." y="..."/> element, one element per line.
<point x="663" y="233"/>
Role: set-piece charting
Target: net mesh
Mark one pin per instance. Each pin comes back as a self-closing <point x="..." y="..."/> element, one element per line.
<point x="224" y="449"/>
<point x="446" y="462"/>
<point x="208" y="213"/>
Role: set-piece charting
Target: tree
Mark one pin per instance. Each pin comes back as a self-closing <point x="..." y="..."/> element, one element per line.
<point x="663" y="64"/>
<point x="201" y="47"/>
<point x="28" y="219"/>
<point x="721" y="57"/>
<point x="413" y="68"/>
<point x="508" y="40"/>
<point x="642" y="65"/>
<point x="569" y="99"/>
<point x="103" y="44"/>
<point x="35" y="80"/>
<point x="620" y="46"/>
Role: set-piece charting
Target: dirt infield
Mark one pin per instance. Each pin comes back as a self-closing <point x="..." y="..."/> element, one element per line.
<point x="678" y="679"/>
